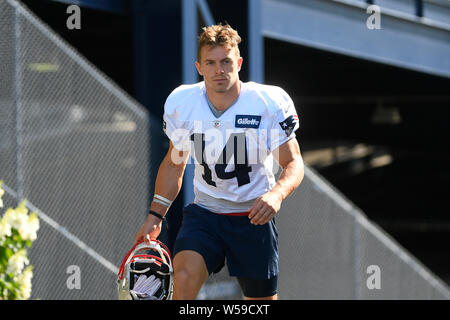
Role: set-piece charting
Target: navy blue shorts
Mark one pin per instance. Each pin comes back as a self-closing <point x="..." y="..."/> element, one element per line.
<point x="250" y="251"/>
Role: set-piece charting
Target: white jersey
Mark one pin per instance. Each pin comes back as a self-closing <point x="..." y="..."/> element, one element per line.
<point x="232" y="153"/>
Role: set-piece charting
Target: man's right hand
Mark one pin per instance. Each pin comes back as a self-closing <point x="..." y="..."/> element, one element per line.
<point x="150" y="230"/>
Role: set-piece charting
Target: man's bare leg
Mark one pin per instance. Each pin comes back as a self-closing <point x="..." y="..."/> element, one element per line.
<point x="190" y="272"/>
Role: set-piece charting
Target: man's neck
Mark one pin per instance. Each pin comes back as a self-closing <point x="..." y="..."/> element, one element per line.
<point x="223" y="100"/>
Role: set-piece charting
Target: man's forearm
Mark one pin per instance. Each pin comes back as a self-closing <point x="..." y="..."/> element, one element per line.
<point x="290" y="178"/>
<point x="168" y="184"/>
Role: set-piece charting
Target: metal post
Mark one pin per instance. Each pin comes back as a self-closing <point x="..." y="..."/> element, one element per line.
<point x="189" y="43"/>
<point x="205" y="12"/>
<point x="18" y="98"/>
<point x="190" y="75"/>
<point x="255" y="42"/>
<point x="419" y="8"/>
<point x="357" y="257"/>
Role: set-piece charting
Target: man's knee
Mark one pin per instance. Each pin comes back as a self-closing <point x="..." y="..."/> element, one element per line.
<point x="190" y="273"/>
<point x="185" y="277"/>
<point x="189" y="267"/>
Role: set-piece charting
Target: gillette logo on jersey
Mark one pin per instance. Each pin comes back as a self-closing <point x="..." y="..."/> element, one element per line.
<point x="247" y="121"/>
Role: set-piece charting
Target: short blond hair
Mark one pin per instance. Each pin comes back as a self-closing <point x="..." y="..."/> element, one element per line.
<point x="218" y="35"/>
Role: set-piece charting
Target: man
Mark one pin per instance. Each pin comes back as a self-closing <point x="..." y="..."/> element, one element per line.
<point x="234" y="130"/>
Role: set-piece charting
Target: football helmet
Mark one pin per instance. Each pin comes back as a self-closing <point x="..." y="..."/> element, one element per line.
<point x="146" y="273"/>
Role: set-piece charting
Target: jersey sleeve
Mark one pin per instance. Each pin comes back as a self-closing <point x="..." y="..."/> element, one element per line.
<point x="175" y="129"/>
<point x="285" y="122"/>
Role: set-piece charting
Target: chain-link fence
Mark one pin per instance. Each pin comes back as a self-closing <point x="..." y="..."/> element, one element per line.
<point x="329" y="250"/>
<point x="77" y="148"/>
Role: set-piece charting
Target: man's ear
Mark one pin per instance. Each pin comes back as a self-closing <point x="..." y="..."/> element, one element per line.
<point x="239" y="62"/>
<point x="197" y="65"/>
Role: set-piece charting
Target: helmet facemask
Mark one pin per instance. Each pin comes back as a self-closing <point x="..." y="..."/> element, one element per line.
<point x="146" y="273"/>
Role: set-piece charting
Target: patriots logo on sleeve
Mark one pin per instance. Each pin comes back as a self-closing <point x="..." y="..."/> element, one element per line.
<point x="164" y="126"/>
<point x="288" y="124"/>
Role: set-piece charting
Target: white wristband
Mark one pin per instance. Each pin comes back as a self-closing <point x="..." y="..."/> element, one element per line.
<point x="159" y="199"/>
